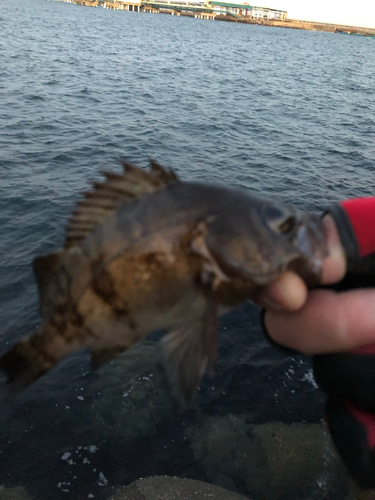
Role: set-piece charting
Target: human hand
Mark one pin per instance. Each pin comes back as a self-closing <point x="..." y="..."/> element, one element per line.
<point x="322" y="320"/>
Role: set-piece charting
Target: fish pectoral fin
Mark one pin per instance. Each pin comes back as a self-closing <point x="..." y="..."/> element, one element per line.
<point x="211" y="273"/>
<point x="101" y="355"/>
<point x="188" y="351"/>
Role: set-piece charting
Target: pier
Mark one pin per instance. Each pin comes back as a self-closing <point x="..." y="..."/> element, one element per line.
<point x="176" y="8"/>
<point x="224" y="11"/>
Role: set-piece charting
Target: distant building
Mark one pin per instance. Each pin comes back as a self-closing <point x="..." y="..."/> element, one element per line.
<point x="265" y="13"/>
<point x="132" y="5"/>
<point x="244" y="9"/>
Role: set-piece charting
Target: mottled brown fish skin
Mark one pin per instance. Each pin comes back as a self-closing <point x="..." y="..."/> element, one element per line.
<point x="146" y="252"/>
<point x="131" y="296"/>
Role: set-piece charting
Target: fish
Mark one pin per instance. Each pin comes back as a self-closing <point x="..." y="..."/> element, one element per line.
<point x="145" y="251"/>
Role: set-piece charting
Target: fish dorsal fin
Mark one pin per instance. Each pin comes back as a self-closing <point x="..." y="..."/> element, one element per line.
<point x="108" y="195"/>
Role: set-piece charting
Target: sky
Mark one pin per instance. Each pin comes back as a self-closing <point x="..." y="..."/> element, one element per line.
<point x="349" y="12"/>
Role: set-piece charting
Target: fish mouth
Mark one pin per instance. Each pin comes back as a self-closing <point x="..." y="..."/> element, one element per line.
<point x="311" y="236"/>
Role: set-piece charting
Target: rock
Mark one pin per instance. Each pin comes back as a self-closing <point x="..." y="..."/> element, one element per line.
<point x="273" y="461"/>
<point x="17" y="493"/>
<point x="359" y="494"/>
<point x="134" y="395"/>
<point x="173" y="488"/>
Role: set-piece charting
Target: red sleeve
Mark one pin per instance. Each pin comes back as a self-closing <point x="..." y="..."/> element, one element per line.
<point x="355" y="221"/>
<point x="361" y="213"/>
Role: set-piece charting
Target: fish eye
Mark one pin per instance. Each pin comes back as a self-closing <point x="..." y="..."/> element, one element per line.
<point x="286" y="225"/>
<point x="278" y="220"/>
<point x="274" y="214"/>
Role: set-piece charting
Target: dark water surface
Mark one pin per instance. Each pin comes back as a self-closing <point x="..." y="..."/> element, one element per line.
<point x="278" y="112"/>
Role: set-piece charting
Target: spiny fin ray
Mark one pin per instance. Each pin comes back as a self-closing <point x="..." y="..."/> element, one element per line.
<point x="107" y="196"/>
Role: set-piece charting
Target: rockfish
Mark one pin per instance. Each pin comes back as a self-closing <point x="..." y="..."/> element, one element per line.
<point x="145" y="251"/>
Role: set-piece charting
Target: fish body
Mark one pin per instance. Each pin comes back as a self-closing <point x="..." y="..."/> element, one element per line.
<point x="145" y="252"/>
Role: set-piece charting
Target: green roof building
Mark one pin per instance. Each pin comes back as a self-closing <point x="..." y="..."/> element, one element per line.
<point x="244" y="9"/>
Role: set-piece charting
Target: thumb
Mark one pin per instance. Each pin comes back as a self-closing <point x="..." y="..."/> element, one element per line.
<point x="335" y="265"/>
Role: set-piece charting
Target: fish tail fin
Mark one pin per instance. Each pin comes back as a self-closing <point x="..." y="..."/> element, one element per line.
<point x="23" y="365"/>
<point x="33" y="356"/>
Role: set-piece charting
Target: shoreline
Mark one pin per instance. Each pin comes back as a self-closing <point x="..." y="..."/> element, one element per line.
<point x="143" y="6"/>
<point x="307" y="25"/>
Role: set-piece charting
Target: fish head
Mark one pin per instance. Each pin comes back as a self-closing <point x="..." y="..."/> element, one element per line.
<point x="255" y="240"/>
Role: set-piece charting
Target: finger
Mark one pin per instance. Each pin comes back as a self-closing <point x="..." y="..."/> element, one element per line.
<point x="287" y="292"/>
<point x="328" y="322"/>
<point x="334" y="266"/>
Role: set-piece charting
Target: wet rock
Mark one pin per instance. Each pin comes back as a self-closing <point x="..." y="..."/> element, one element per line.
<point x="133" y="396"/>
<point x="17" y="493"/>
<point x="272" y="461"/>
<point x="173" y="488"/>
